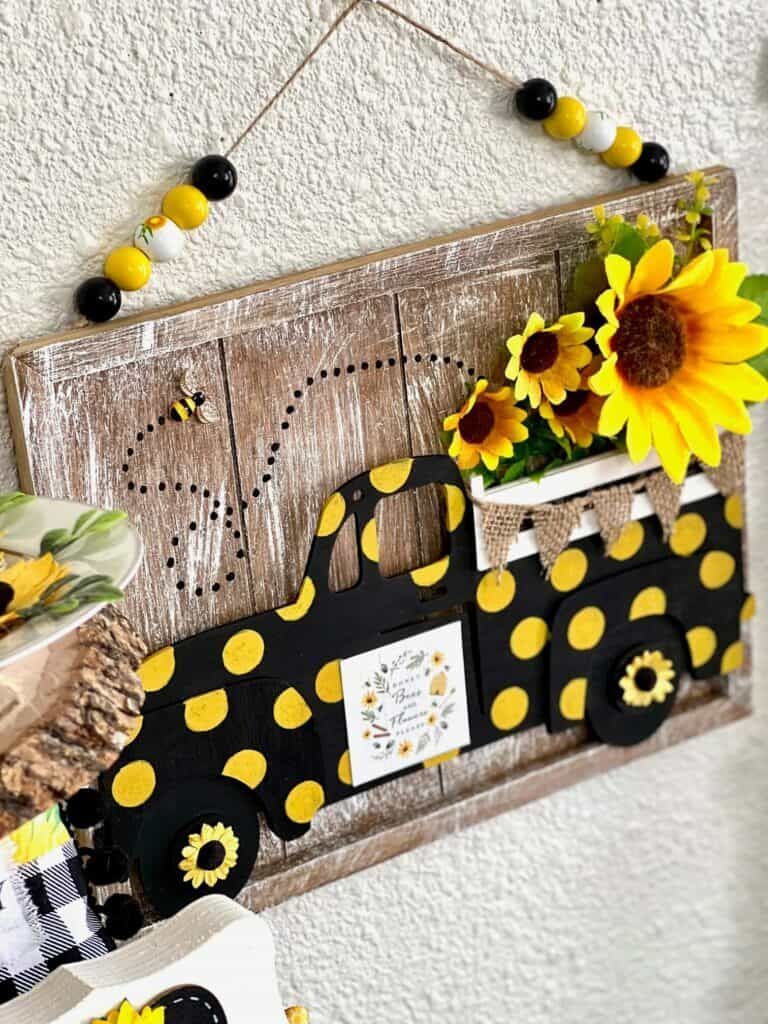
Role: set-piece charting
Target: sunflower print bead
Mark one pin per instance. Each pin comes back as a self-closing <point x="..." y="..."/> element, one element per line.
<point x="159" y="238"/>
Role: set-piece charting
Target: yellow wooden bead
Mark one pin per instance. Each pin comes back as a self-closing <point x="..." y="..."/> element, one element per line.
<point x="626" y="148"/>
<point x="128" y="267"/>
<point x="186" y="206"/>
<point x="567" y="120"/>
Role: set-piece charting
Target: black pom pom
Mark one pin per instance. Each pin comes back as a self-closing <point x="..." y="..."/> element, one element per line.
<point x="123" y="916"/>
<point x="536" y="99"/>
<point x="85" y="809"/>
<point x="652" y="164"/>
<point x="105" y="867"/>
<point x="215" y="176"/>
<point x="98" y="299"/>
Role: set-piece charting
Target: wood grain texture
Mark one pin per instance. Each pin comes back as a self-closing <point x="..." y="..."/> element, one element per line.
<point x="341" y="368"/>
<point x="86" y="699"/>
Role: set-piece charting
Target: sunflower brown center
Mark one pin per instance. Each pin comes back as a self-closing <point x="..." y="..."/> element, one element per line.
<point x="572" y="402"/>
<point x="645" y="679"/>
<point x="477" y="424"/>
<point x="211" y="855"/>
<point x="6" y="595"/>
<point x="650" y="342"/>
<point x="539" y="352"/>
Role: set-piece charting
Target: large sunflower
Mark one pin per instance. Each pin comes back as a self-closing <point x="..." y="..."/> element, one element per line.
<point x="579" y="413"/>
<point x="486" y="427"/>
<point x="24" y="583"/>
<point x="675" y="352"/>
<point x="548" y="359"/>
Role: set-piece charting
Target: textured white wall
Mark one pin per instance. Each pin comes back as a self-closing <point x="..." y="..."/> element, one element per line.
<point x="641" y="896"/>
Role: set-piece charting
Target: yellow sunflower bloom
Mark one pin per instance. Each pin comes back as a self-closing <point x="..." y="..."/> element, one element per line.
<point x="24" y="583"/>
<point x="126" y="1014"/>
<point x="548" y="359"/>
<point x="675" y="351"/>
<point x="486" y="427"/>
<point x="578" y="415"/>
<point x="210" y="855"/>
<point x="647" y="679"/>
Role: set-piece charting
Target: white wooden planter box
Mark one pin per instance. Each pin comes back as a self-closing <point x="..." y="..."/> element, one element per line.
<point x="568" y="481"/>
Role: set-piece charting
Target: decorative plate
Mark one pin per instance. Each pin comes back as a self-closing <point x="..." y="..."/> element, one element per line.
<point x="93" y="544"/>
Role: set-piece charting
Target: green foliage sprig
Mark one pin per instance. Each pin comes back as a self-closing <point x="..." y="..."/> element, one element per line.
<point x="12" y="499"/>
<point x="69" y="593"/>
<point x="87" y="525"/>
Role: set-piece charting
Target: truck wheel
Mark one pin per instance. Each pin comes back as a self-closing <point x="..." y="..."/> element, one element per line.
<point x="201" y="838"/>
<point x="633" y="680"/>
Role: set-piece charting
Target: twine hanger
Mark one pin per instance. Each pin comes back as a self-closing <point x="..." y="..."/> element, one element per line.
<point x="507" y="80"/>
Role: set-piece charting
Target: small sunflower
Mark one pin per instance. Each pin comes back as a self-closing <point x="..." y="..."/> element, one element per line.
<point x="405" y="748"/>
<point x="437" y="659"/>
<point x="210" y="855"/>
<point x="370" y="700"/>
<point x="675" y="354"/>
<point x="24" y="583"/>
<point x="486" y="427"/>
<point x="647" y="679"/>
<point x="126" y="1014"/>
<point x="548" y="359"/>
<point x="579" y="413"/>
<point x="433" y="718"/>
<point x="366" y="734"/>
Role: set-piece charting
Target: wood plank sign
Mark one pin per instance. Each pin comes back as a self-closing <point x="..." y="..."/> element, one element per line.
<point x="339" y="672"/>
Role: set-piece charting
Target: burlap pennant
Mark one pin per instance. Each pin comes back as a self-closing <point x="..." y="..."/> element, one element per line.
<point x="728" y="477"/>
<point x="613" y="510"/>
<point x="501" y="525"/>
<point x="665" y="497"/>
<point x="554" y="525"/>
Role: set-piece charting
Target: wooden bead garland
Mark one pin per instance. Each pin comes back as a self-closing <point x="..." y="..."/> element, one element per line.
<point x="157" y="239"/>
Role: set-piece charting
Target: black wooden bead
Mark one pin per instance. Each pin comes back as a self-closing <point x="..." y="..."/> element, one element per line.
<point x="652" y="164"/>
<point x="98" y="299"/>
<point x="215" y="176"/>
<point x="85" y="808"/>
<point x="123" y="916"/>
<point x="536" y="99"/>
<point x="106" y="867"/>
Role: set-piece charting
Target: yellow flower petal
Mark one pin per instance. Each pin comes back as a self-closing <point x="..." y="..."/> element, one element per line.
<point x="653" y="270"/>
<point x="618" y="270"/>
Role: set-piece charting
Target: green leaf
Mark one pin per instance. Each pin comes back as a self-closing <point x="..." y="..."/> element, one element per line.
<point x="755" y="288"/>
<point x="107" y="520"/>
<point x="63" y="607"/>
<point x="760" y="363"/>
<point x="587" y="283"/>
<point x="53" y="541"/>
<point x="513" y="471"/>
<point x="83" y="522"/>
<point x="12" y="499"/>
<point x="629" y="243"/>
<point x="101" y="594"/>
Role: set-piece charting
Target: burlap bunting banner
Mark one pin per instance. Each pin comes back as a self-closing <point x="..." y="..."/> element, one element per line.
<point x="613" y="508"/>
<point x="665" y="497"/>
<point x="554" y="523"/>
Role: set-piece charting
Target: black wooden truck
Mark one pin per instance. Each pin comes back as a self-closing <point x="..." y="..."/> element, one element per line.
<point x="249" y="717"/>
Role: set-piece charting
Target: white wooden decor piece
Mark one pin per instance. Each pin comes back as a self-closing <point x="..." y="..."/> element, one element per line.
<point x="214" y="944"/>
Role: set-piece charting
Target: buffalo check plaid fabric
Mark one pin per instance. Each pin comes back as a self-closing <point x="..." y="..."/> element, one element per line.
<point x="52" y="891"/>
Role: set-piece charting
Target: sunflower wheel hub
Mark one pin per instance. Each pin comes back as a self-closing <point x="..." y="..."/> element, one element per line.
<point x="477" y="424"/>
<point x="211" y="856"/>
<point x="650" y="342"/>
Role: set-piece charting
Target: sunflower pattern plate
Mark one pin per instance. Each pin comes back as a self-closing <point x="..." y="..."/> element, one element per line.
<point x="61" y="562"/>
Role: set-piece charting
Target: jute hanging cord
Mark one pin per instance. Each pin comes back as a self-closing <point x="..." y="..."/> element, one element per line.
<point x="500" y="76"/>
<point x="555" y="522"/>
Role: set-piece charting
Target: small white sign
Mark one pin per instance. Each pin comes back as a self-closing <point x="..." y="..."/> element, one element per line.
<point x="405" y="702"/>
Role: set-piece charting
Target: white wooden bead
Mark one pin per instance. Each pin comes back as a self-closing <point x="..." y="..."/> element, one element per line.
<point x="159" y="238"/>
<point x="598" y="134"/>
